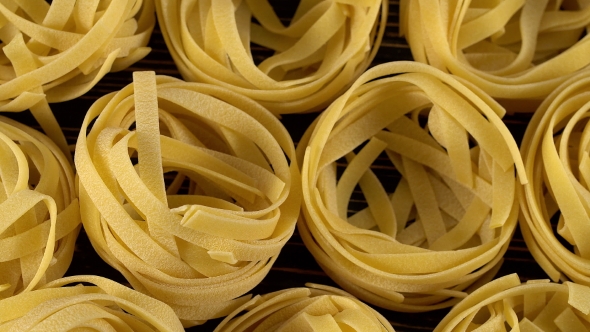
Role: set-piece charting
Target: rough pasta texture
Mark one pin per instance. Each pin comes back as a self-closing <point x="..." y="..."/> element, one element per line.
<point x="443" y="229"/>
<point x="535" y="306"/>
<point x="39" y="211"/>
<point x="208" y="230"/>
<point x="57" y="52"/>
<point x="326" y="46"/>
<point x="317" y="308"/>
<point x="517" y="51"/>
<point x="555" y="151"/>
<point x="105" y="306"/>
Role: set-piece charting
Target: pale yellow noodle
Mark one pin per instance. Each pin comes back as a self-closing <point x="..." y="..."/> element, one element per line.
<point x="535" y="306"/>
<point x="232" y="198"/>
<point x="555" y="150"/>
<point x="314" y="308"/>
<point x="445" y="227"/>
<point x="39" y="211"/>
<point x="103" y="306"/>
<point x="327" y="45"/>
<point x="518" y="51"/>
<point x="59" y="51"/>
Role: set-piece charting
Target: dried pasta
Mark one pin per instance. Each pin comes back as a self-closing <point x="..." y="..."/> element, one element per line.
<point x="312" y="308"/>
<point x="444" y="228"/>
<point x="208" y="232"/>
<point x="327" y="45"/>
<point x="535" y="306"/>
<point x="555" y="151"/>
<point x="39" y="211"/>
<point x="53" y="52"/>
<point x="517" y="51"/>
<point x="102" y="306"/>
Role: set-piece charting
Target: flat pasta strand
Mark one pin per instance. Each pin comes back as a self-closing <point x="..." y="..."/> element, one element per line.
<point x="313" y="308"/>
<point x="439" y="234"/>
<point x="99" y="304"/>
<point x="39" y="210"/>
<point x="187" y="190"/>
<point x="506" y="304"/>
<point x="327" y="45"/>
<point x="555" y="150"/>
<point x="59" y="51"/>
<point x="517" y="51"/>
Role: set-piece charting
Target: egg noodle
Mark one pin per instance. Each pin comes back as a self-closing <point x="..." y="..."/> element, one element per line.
<point x="555" y="151"/>
<point x="512" y="49"/>
<point x="39" y="211"/>
<point x="214" y="230"/>
<point x="59" y="51"/>
<point x="444" y="229"/>
<point x="326" y="46"/>
<point x="102" y="306"/>
<point x="507" y="305"/>
<point x="312" y="308"/>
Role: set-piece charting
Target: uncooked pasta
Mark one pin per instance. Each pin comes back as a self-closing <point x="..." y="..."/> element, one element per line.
<point x="312" y="60"/>
<point x="555" y="151"/>
<point x="57" y="51"/>
<point x="313" y="308"/>
<point x="507" y="305"/>
<point x="443" y="229"/>
<point x="189" y="190"/>
<point x="39" y="211"/>
<point x="86" y="303"/>
<point x="515" y="50"/>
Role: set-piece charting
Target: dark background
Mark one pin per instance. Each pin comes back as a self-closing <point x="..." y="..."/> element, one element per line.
<point x="295" y="265"/>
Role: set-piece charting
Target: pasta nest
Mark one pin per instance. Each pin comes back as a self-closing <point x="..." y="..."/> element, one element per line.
<point x="311" y="61"/>
<point x="39" y="211"/>
<point x="59" y="51"/>
<point x="99" y="304"/>
<point x="231" y="202"/>
<point x="312" y="308"/>
<point x="518" y="51"/>
<point x="555" y="151"/>
<point x="437" y="232"/>
<point x="506" y="304"/>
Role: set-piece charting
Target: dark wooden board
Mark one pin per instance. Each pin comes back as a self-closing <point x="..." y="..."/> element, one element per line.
<point x="295" y="265"/>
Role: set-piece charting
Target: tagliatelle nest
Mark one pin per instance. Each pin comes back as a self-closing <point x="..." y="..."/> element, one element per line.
<point x="39" y="212"/>
<point x="317" y="308"/>
<point x="555" y="150"/>
<point x="104" y="306"/>
<point x="445" y="226"/>
<point x="512" y="49"/>
<point x="59" y="51"/>
<point x="506" y="304"/>
<point x="324" y="48"/>
<point x="230" y="205"/>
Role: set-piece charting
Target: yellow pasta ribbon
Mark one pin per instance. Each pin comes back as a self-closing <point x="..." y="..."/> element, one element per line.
<point x="189" y="190"/>
<point x="536" y="306"/>
<point x="443" y="230"/>
<point x="555" y="150"/>
<point x="59" y="51"/>
<point x="517" y="51"/>
<point x="102" y="306"/>
<point x="311" y="308"/>
<point x="39" y="211"/>
<point x="324" y="48"/>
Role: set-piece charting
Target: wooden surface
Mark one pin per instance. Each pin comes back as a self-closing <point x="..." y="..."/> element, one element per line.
<point x="295" y="265"/>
